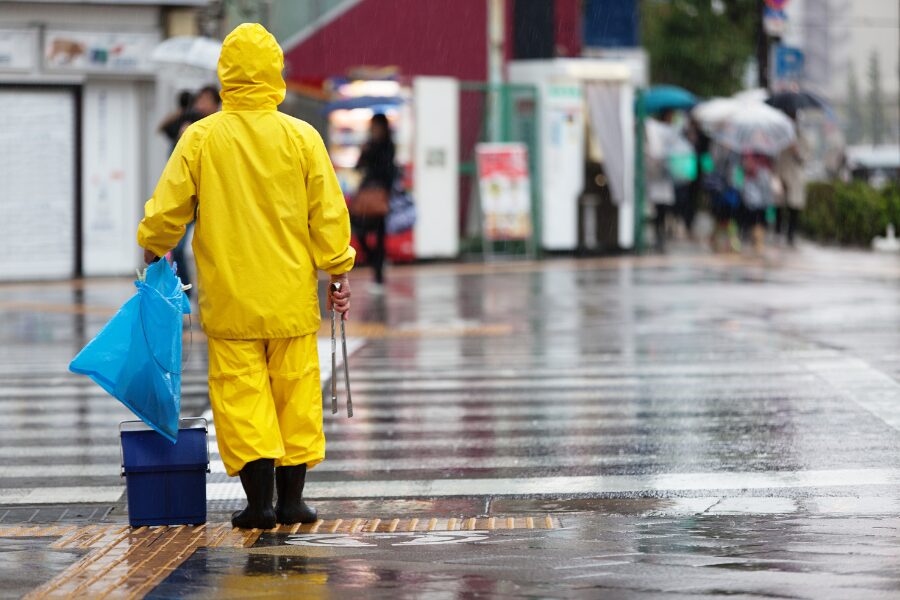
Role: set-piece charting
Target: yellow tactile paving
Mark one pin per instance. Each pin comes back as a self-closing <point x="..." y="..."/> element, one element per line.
<point x="128" y="563"/>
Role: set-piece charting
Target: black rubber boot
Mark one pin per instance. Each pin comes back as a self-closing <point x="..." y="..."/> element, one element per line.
<point x="291" y="508"/>
<point x="259" y="485"/>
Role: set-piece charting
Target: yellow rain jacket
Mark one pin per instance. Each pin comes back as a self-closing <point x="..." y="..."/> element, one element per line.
<point x="269" y="209"/>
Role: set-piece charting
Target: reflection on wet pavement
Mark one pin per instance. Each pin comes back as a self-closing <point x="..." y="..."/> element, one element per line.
<point x="594" y="556"/>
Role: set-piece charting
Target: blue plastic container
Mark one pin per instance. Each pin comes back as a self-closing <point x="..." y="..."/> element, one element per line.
<point x="166" y="482"/>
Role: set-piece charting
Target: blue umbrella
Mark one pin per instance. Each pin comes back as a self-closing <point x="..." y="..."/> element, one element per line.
<point x="664" y="97"/>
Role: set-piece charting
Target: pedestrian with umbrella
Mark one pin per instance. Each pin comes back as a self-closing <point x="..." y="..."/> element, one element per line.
<point x="791" y="163"/>
<point x="660" y="136"/>
<point x="791" y="169"/>
<point x="756" y="128"/>
<point x="663" y="142"/>
<point x="758" y="133"/>
<point x="660" y="98"/>
<point x="790" y="103"/>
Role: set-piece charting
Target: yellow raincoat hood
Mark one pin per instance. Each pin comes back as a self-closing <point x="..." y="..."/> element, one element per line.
<point x="250" y="69"/>
<point x="269" y="209"/>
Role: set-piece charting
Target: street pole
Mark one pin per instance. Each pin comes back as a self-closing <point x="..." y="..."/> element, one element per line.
<point x="639" y="188"/>
<point x="495" y="55"/>
<point x="762" y="46"/>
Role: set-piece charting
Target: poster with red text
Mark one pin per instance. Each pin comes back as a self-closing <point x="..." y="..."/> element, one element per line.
<point x="505" y="188"/>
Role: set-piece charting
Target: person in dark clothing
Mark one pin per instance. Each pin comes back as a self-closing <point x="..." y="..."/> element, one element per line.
<point x="204" y="103"/>
<point x="701" y="143"/>
<point x="174" y="122"/>
<point x="376" y="163"/>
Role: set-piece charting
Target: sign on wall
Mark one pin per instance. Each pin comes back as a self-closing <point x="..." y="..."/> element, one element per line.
<point x="103" y="52"/>
<point x="505" y="189"/>
<point x="18" y="49"/>
<point x="788" y="66"/>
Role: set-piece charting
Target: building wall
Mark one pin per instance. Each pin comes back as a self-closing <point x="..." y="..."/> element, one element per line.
<point x="438" y="37"/>
<point x="121" y="18"/>
<point x="94" y="57"/>
<point x="835" y="34"/>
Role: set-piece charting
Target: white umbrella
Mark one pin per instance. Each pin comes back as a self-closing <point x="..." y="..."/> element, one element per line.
<point x="201" y="52"/>
<point x="712" y="113"/>
<point x="756" y="128"/>
<point x="752" y="95"/>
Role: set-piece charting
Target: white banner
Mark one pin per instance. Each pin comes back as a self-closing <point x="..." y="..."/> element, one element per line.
<point x="105" y="52"/>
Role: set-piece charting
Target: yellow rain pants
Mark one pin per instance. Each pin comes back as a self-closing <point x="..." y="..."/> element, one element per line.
<point x="267" y="401"/>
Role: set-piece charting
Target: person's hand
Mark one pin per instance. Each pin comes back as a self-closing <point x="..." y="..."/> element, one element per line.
<point x="150" y="257"/>
<point x="340" y="301"/>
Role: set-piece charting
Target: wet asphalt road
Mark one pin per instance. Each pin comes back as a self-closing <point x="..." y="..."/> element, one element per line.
<point x="699" y="425"/>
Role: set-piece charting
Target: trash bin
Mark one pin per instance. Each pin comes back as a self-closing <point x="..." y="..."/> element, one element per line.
<point x="589" y="222"/>
<point x="597" y="223"/>
<point x="166" y="482"/>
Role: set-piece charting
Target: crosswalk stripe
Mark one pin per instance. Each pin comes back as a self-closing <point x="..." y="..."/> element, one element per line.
<point x="398" y="387"/>
<point x="531" y="442"/>
<point x="424" y="410"/>
<point x="78" y="392"/>
<point x="77" y="403"/>
<point x="588" y="484"/>
<point x="571" y="485"/>
<point x="442" y="418"/>
<point x="60" y="495"/>
<point x="440" y="382"/>
<point x="482" y="372"/>
<point x="110" y="469"/>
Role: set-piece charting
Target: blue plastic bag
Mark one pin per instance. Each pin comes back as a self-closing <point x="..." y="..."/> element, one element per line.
<point x="136" y="357"/>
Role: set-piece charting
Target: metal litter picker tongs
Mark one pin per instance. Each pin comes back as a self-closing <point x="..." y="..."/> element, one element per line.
<point x="336" y="287"/>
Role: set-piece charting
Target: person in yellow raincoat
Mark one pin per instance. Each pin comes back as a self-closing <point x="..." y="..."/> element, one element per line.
<point x="269" y="213"/>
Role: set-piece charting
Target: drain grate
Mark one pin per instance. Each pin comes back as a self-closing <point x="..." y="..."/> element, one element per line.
<point x="55" y="514"/>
